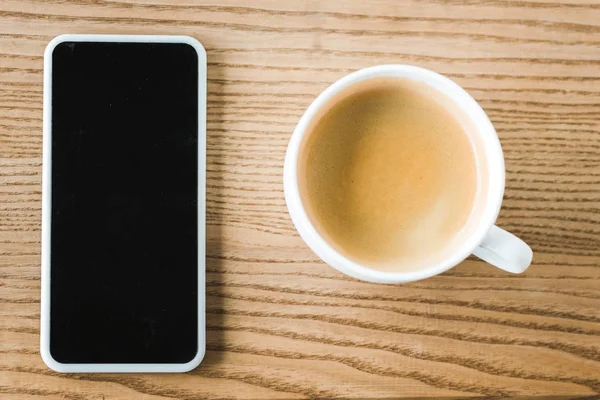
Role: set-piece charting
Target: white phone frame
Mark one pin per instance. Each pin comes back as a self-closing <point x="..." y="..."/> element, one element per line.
<point x="47" y="204"/>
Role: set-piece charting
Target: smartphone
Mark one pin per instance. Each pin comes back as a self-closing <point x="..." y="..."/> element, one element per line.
<point x="123" y="204"/>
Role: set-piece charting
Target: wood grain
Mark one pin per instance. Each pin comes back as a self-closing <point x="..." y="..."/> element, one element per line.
<point x="281" y="324"/>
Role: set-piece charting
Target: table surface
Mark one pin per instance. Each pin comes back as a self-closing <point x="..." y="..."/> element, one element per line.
<point x="282" y="324"/>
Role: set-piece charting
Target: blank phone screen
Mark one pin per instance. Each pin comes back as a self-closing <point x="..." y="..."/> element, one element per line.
<point x="124" y="213"/>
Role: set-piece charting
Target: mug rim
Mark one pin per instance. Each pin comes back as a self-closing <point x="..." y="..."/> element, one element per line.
<point x="493" y="155"/>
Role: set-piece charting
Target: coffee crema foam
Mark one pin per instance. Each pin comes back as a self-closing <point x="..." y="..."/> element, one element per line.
<point x="388" y="174"/>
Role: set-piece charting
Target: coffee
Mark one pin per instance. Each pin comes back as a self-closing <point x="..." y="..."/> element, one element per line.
<point x="388" y="175"/>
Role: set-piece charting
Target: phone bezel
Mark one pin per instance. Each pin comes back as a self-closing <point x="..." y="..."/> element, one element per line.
<point x="47" y="204"/>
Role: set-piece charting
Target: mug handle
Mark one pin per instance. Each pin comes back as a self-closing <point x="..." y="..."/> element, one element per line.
<point x="504" y="250"/>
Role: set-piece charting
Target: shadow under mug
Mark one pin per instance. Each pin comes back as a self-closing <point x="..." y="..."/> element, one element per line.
<point x="485" y="240"/>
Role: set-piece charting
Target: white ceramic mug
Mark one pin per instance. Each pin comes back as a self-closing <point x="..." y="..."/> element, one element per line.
<point x="484" y="239"/>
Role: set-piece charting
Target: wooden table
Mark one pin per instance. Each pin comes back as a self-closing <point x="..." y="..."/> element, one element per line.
<point x="281" y="324"/>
